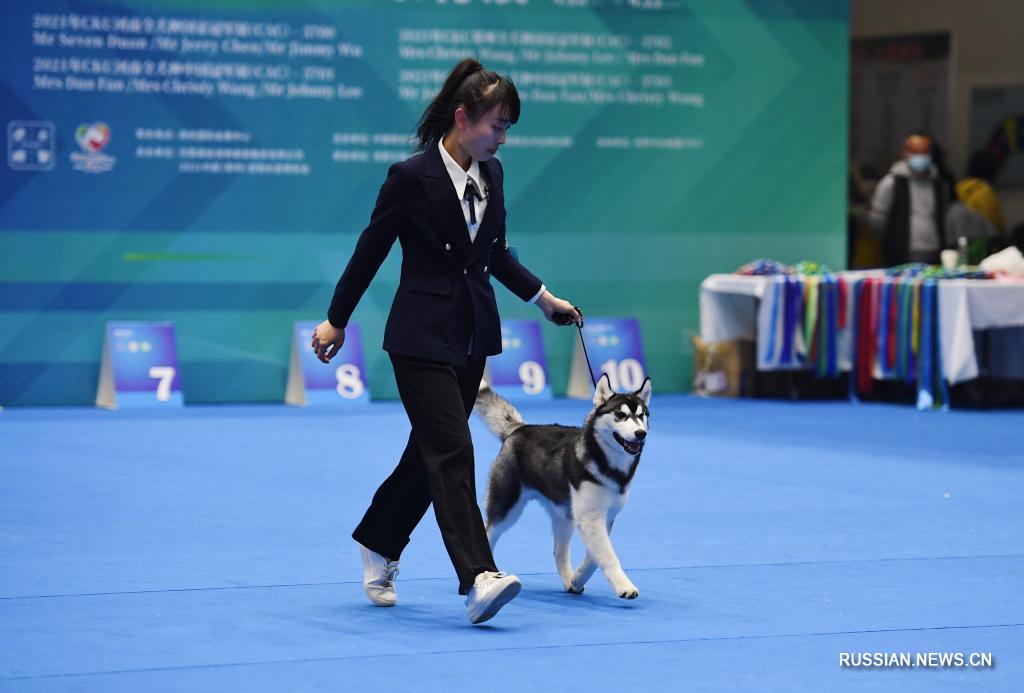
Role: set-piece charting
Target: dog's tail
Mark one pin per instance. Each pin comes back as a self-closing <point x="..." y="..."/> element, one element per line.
<point x="498" y="413"/>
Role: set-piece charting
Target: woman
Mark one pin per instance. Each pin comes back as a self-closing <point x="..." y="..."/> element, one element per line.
<point x="445" y="205"/>
<point x="976" y="191"/>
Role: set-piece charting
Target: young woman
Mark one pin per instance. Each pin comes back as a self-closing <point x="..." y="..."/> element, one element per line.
<point x="445" y="205"/>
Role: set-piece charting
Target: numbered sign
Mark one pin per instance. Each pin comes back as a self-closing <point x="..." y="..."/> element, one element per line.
<point x="615" y="348"/>
<point x="338" y="383"/>
<point x="139" y="366"/>
<point x="520" y="371"/>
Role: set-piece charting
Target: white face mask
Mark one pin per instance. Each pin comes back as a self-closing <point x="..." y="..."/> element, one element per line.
<point x="919" y="163"/>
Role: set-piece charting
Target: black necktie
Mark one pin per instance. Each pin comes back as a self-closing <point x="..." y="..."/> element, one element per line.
<point x="471" y="192"/>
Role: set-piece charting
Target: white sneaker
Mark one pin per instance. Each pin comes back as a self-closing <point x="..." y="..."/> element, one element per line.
<point x="379" y="575"/>
<point x="489" y="593"/>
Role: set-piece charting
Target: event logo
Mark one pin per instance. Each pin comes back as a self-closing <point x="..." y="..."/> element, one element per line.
<point x="92" y="138"/>
<point x="31" y="145"/>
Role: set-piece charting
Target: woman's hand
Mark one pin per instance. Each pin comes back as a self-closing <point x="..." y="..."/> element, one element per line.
<point x="327" y="341"/>
<point x="551" y="304"/>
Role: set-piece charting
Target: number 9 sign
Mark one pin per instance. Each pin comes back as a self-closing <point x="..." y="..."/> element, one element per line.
<point x="519" y="371"/>
<point x="533" y="377"/>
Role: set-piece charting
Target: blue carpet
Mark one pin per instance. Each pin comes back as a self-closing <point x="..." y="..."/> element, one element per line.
<point x="207" y="550"/>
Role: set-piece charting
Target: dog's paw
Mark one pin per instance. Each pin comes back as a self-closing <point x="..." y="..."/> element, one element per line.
<point x="627" y="591"/>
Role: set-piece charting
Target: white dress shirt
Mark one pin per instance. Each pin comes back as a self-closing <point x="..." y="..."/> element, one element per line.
<point x="459" y="178"/>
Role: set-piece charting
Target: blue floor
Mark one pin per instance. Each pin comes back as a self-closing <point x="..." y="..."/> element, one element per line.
<point x="207" y="550"/>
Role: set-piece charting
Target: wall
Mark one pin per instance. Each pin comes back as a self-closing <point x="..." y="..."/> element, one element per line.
<point x="688" y="186"/>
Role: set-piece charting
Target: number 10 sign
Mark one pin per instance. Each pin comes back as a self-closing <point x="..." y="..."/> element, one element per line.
<point x="615" y="349"/>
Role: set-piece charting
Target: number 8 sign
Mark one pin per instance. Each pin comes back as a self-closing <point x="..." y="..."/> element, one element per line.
<point x="338" y="383"/>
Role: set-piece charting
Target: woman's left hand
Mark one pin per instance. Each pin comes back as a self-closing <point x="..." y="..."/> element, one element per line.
<point x="551" y="304"/>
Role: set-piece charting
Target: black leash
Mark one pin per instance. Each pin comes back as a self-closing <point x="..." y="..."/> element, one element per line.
<point x="566" y="319"/>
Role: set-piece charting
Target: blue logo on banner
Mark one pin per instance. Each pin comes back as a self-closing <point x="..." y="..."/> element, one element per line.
<point x="520" y="370"/>
<point x="341" y="382"/>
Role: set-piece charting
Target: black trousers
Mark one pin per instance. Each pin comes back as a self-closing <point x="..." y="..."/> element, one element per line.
<point x="436" y="467"/>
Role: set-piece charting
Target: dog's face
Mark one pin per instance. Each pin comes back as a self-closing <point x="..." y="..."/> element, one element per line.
<point x="620" y="420"/>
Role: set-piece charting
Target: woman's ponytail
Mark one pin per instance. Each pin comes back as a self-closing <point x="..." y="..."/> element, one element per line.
<point x="474" y="88"/>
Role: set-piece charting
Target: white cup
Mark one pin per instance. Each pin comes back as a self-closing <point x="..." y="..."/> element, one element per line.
<point x="949" y="259"/>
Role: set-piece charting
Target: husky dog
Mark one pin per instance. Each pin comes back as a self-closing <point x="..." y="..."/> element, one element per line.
<point x="580" y="475"/>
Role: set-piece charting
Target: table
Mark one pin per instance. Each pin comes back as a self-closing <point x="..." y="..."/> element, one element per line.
<point x="966" y="305"/>
<point x="734" y="306"/>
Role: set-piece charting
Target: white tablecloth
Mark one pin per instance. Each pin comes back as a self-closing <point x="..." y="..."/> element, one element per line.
<point x="731" y="308"/>
<point x="966" y="305"/>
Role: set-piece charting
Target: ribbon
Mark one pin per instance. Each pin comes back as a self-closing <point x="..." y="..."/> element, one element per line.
<point x="868" y="336"/>
<point x="810" y="315"/>
<point x="472" y="191"/>
<point x="777" y="286"/>
<point x="932" y="389"/>
<point x="903" y="331"/>
<point x="890" y="344"/>
<point x="926" y="364"/>
<point x="843" y="302"/>
<point x="856" y="291"/>
<point x="793" y="294"/>
<point x="831" y="368"/>
<point x="883" y="327"/>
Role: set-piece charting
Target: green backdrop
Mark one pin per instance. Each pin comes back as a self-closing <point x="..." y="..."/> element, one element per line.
<point x="659" y="142"/>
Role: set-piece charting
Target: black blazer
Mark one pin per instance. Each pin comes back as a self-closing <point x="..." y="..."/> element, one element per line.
<point x="444" y="295"/>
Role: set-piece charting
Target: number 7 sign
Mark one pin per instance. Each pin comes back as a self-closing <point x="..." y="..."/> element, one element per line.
<point x="139" y="366"/>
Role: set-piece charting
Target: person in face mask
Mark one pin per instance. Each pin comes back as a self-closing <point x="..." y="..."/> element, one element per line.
<point x="908" y="206"/>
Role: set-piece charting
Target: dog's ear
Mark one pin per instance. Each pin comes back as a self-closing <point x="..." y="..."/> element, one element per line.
<point x="603" y="390"/>
<point x="644" y="393"/>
